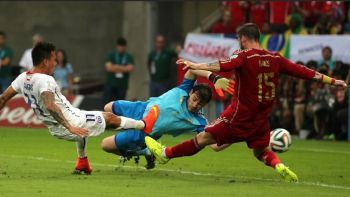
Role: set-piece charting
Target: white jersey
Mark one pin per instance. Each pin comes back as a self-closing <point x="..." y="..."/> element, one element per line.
<point x="32" y="85"/>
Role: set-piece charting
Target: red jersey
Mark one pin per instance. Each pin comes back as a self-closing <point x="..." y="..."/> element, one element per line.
<point x="257" y="76"/>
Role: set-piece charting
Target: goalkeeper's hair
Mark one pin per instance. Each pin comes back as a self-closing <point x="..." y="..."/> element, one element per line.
<point x="249" y="30"/>
<point x="203" y="91"/>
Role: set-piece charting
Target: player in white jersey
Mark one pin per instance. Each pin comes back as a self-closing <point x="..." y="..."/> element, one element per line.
<point x="64" y="121"/>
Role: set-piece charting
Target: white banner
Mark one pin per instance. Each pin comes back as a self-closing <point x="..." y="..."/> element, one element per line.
<point x="207" y="48"/>
<point x="305" y="48"/>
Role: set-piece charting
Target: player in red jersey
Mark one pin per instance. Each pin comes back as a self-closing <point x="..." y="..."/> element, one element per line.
<point x="246" y="119"/>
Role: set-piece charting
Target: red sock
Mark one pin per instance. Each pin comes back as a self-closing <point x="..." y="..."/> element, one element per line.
<point x="269" y="158"/>
<point x="186" y="148"/>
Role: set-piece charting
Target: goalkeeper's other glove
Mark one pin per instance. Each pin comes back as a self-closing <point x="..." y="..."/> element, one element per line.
<point x="222" y="84"/>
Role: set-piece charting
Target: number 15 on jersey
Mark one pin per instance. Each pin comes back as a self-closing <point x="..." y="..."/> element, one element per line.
<point x="269" y="93"/>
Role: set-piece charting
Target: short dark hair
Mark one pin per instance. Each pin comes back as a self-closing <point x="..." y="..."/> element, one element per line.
<point x="203" y="91"/>
<point x="42" y="51"/>
<point x="121" y="41"/>
<point x="3" y="34"/>
<point x="327" y="48"/>
<point x="249" y="30"/>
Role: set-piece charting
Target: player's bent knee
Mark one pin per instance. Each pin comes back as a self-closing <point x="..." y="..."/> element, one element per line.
<point x="108" y="144"/>
<point x="204" y="139"/>
<point x="108" y="107"/>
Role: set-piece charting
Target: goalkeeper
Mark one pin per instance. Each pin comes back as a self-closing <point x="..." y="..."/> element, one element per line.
<point x="177" y="111"/>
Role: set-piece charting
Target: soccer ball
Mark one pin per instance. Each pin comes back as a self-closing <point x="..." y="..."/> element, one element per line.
<point x="280" y="140"/>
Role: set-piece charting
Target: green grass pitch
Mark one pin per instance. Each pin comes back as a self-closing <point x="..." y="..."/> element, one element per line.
<point x="33" y="163"/>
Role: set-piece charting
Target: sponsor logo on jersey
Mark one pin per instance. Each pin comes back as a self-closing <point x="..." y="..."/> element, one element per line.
<point x="99" y="119"/>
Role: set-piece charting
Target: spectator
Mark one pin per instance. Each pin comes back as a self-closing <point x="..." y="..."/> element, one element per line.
<point x="327" y="57"/>
<point x="340" y="70"/>
<point x="258" y="12"/>
<point x="224" y="26"/>
<point x="310" y="10"/>
<point x="238" y="11"/>
<point x="160" y="60"/>
<point x="323" y="26"/>
<point x="279" y="10"/>
<point x="118" y="65"/>
<point x="322" y="101"/>
<point x="63" y="72"/>
<point x="339" y="113"/>
<point x="26" y="61"/>
<point x="299" y="103"/>
<point x="346" y="28"/>
<point x="295" y="25"/>
<point x="5" y="63"/>
<point x="336" y="10"/>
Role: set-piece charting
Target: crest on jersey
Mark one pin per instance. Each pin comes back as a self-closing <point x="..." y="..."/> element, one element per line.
<point x="233" y="56"/>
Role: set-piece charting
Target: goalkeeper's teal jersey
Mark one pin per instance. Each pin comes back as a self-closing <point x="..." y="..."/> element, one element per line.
<point x="174" y="117"/>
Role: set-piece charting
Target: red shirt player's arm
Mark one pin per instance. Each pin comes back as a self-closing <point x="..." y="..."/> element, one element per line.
<point x="296" y="70"/>
<point x="233" y="62"/>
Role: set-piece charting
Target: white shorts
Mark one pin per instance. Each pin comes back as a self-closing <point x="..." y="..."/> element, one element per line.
<point x="93" y="121"/>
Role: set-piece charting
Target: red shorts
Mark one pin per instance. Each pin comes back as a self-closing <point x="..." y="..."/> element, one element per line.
<point x="224" y="132"/>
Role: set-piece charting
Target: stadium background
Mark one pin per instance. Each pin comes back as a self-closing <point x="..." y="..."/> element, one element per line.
<point x="88" y="30"/>
<point x="94" y="27"/>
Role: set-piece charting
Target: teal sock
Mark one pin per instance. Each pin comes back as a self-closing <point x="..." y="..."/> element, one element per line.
<point x="143" y="152"/>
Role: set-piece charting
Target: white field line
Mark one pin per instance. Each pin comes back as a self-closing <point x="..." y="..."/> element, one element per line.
<point x="320" y="150"/>
<point x="317" y="184"/>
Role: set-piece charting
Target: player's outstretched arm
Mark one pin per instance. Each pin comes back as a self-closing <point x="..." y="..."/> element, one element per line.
<point x="56" y="113"/>
<point x="329" y="80"/>
<point x="7" y="95"/>
<point x="214" y="66"/>
<point x="303" y="72"/>
<point x="193" y="74"/>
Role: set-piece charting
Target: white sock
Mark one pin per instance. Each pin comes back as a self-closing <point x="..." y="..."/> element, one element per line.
<point x="163" y="153"/>
<point x="81" y="145"/>
<point x="129" y="123"/>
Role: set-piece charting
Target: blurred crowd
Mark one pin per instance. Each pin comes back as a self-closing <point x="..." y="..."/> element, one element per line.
<point x="9" y="69"/>
<point x="314" y="110"/>
<point x="290" y="17"/>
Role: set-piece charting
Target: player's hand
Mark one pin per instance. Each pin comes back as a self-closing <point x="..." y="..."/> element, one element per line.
<point x="79" y="131"/>
<point x="223" y="84"/>
<point x="341" y="84"/>
<point x="187" y="64"/>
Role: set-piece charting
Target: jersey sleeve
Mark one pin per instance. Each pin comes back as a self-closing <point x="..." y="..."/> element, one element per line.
<point x="187" y="85"/>
<point x="295" y="70"/>
<point x="234" y="61"/>
<point x="16" y="84"/>
<point x="48" y="84"/>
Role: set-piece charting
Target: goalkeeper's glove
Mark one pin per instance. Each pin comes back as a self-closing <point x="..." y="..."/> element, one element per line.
<point x="222" y="84"/>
